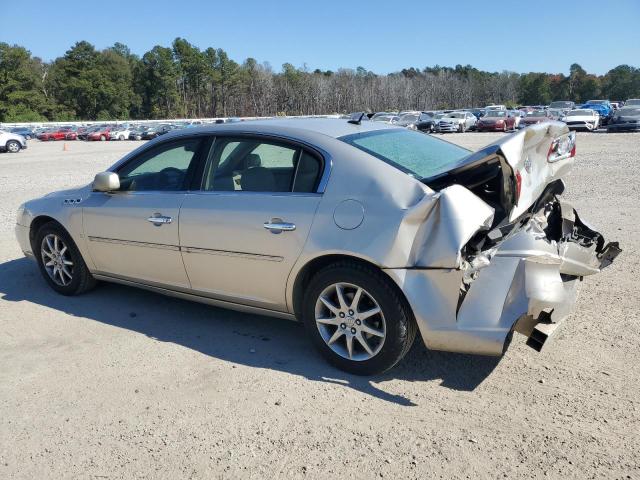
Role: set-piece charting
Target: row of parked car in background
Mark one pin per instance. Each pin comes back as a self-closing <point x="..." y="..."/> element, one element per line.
<point x="106" y="131"/>
<point x="590" y="116"/>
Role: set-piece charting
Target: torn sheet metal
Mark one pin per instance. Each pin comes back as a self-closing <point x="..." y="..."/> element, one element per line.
<point x="456" y="215"/>
<point x="527" y="277"/>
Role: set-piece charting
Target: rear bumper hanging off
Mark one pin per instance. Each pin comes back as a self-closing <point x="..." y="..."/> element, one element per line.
<point x="528" y="283"/>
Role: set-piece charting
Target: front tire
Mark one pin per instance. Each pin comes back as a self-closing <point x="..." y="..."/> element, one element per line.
<point x="357" y="319"/>
<point x="60" y="261"/>
<point x="13" y="146"/>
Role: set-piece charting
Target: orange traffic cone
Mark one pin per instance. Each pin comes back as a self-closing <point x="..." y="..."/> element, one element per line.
<point x="64" y="147"/>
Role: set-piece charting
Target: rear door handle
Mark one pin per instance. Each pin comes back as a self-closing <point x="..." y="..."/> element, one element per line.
<point x="158" y="219"/>
<point x="278" y="226"/>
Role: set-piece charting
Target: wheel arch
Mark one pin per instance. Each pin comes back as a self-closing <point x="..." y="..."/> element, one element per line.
<point x="37" y="223"/>
<point x="314" y="265"/>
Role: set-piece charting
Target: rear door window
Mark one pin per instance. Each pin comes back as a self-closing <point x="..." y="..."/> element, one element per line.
<point x="258" y="165"/>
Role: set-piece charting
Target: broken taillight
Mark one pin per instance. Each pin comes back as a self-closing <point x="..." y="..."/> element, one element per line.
<point x="562" y="147"/>
<point x="518" y="185"/>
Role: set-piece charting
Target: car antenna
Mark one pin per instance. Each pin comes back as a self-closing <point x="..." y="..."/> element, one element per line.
<point x="356" y="118"/>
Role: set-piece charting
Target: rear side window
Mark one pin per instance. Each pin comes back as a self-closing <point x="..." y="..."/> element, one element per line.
<point x="257" y="165"/>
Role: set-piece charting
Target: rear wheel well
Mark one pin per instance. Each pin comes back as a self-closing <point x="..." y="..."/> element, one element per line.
<point x="310" y="269"/>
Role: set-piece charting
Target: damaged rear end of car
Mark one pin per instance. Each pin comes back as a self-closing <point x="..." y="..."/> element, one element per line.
<point x="498" y="249"/>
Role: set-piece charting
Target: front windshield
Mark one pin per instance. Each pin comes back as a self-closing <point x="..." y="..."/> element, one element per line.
<point x="496" y="114"/>
<point x="633" y="101"/>
<point x="415" y="153"/>
<point x="597" y="102"/>
<point x="456" y="115"/>
<point x="628" y="112"/>
<point x="536" y="114"/>
<point x="560" y="105"/>
<point x="579" y="113"/>
<point x="382" y="118"/>
<point x="409" y="118"/>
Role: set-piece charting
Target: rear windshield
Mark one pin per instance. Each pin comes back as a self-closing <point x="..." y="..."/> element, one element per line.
<point x="415" y="153"/>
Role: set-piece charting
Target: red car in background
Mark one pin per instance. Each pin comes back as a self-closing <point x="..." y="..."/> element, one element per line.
<point x="101" y="134"/>
<point x="535" y="116"/>
<point x="54" y="134"/>
<point x="496" y="121"/>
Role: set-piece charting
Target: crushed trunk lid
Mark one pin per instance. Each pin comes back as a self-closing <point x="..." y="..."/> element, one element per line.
<point x="512" y="173"/>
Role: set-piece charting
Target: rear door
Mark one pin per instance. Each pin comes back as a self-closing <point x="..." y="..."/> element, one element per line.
<point x="241" y="233"/>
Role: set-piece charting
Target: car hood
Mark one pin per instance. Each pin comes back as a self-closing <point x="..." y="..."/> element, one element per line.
<point x="580" y="118"/>
<point x="451" y="119"/>
<point x="80" y="191"/>
<point x="14" y="136"/>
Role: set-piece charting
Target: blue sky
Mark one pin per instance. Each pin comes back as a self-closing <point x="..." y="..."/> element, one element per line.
<point x="383" y="36"/>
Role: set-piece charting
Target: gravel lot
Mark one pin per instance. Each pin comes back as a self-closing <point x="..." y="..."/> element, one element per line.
<point x="122" y="383"/>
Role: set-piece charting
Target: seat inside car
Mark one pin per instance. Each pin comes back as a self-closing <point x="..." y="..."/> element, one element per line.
<point x="252" y="160"/>
<point x="258" y="179"/>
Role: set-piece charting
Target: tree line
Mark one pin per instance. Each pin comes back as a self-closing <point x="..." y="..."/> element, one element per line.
<point x="183" y="81"/>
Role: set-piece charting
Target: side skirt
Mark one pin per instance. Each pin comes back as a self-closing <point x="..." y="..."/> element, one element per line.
<point x="196" y="298"/>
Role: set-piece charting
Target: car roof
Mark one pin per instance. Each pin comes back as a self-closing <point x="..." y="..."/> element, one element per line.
<point x="330" y="127"/>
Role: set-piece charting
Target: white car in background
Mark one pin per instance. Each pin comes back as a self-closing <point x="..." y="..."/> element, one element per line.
<point x="11" y="142"/>
<point x="120" y="132"/>
<point x="517" y="114"/>
<point x="582" y="119"/>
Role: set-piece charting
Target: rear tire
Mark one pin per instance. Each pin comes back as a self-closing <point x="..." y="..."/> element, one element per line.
<point x="60" y="261"/>
<point x="378" y="340"/>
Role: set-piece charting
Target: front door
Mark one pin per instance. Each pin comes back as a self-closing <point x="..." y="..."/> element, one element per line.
<point x="242" y="232"/>
<point x="133" y="233"/>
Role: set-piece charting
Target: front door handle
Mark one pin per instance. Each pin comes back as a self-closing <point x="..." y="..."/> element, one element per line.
<point x="158" y="219"/>
<point x="277" y="226"/>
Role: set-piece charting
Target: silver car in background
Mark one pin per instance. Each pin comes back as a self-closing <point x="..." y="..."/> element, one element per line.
<point x="366" y="232"/>
<point x="456" y="122"/>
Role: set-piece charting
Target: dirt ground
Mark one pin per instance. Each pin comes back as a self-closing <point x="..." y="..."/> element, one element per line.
<point x="123" y="383"/>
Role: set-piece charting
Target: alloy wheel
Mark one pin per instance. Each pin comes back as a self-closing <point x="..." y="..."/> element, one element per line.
<point x="350" y="321"/>
<point x="56" y="259"/>
<point x="13" y="147"/>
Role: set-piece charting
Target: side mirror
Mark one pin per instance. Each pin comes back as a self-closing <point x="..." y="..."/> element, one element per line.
<point x="106" y="182"/>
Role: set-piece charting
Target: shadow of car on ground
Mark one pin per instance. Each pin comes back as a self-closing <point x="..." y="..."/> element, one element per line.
<point x="251" y="340"/>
